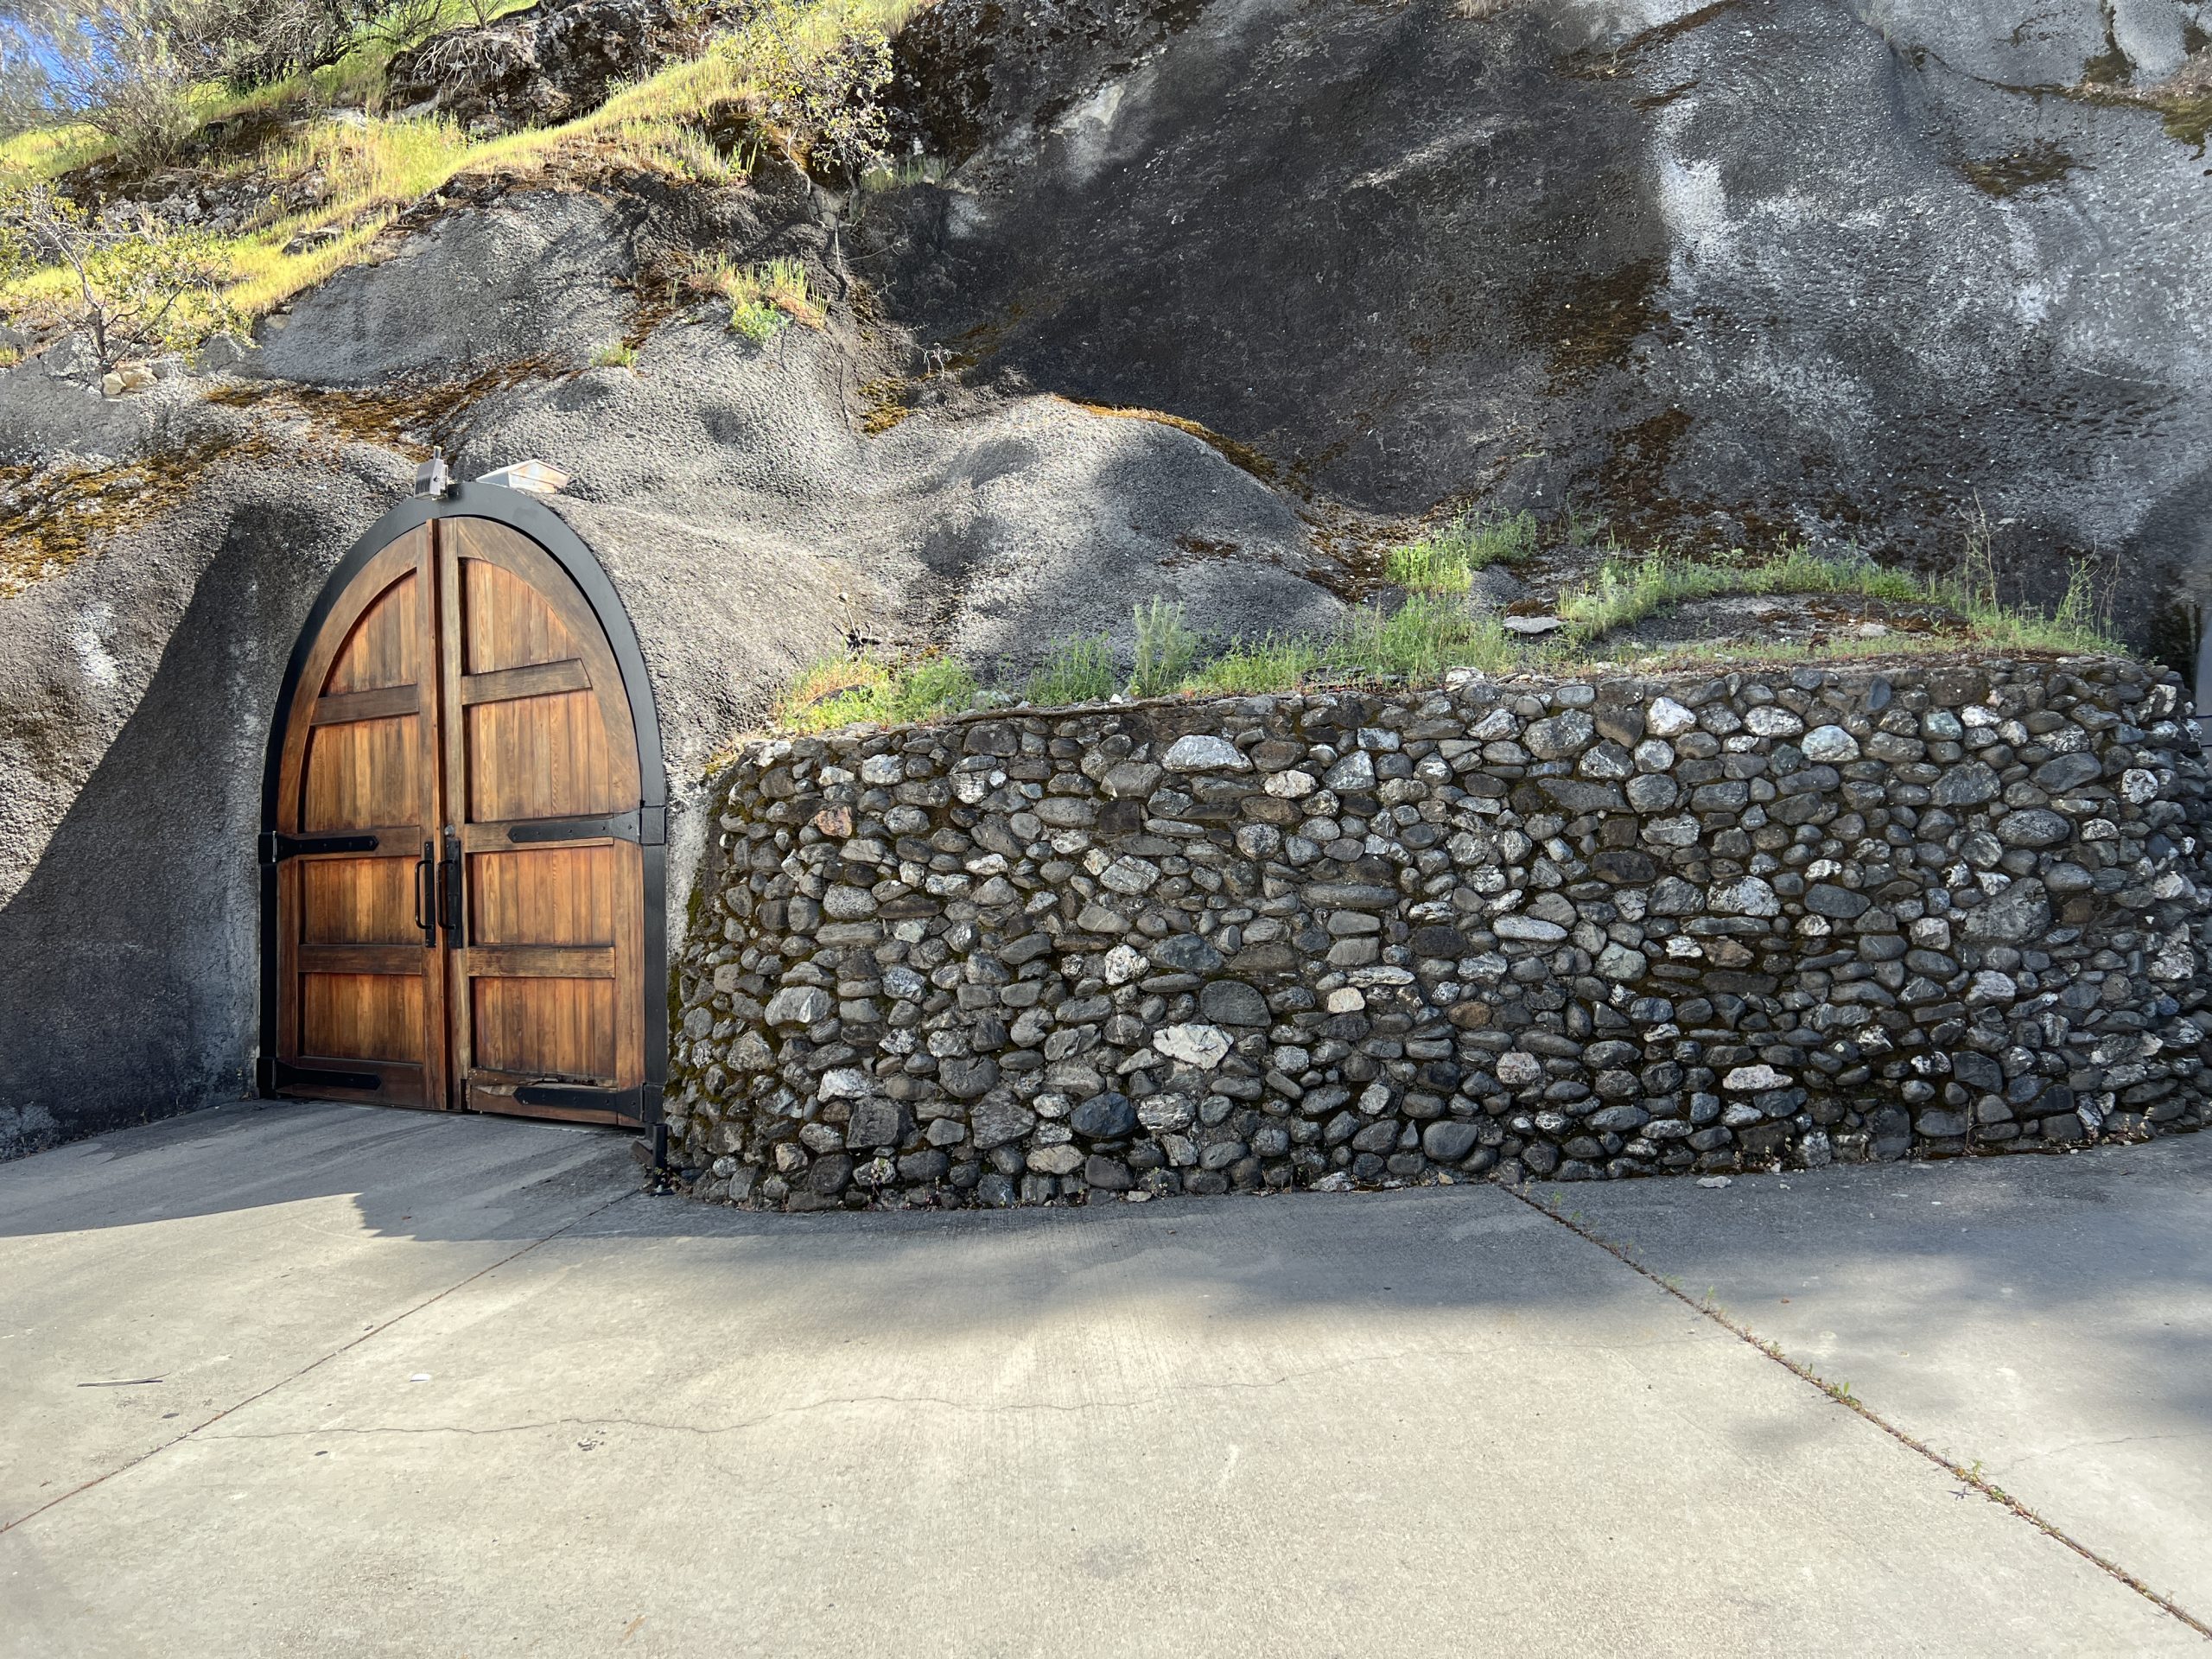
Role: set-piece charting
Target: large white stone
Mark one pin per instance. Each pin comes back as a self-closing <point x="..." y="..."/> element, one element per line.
<point x="1667" y="718"/>
<point x="1123" y="964"/>
<point x="798" y="1005"/>
<point x="1516" y="1070"/>
<point x="1749" y="896"/>
<point x="1753" y="1079"/>
<point x="1772" y="720"/>
<point x="1829" y="746"/>
<point x="1200" y="753"/>
<point x="1204" y="1047"/>
<point x="1529" y="930"/>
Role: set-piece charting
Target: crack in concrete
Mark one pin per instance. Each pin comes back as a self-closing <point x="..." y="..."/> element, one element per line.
<point x="321" y="1360"/>
<point x="1841" y="1393"/>
<point x="1133" y="1402"/>
<point x="2123" y="1440"/>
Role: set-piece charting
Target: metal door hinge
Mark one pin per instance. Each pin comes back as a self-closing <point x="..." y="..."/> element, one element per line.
<point x="631" y="1103"/>
<point x="276" y="847"/>
<point x="648" y="826"/>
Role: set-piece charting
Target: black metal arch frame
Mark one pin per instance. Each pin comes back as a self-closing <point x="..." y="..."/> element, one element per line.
<point x="532" y="519"/>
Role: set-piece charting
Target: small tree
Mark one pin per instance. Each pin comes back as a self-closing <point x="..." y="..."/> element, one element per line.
<point x="831" y="99"/>
<point x="124" y="68"/>
<point x="127" y="284"/>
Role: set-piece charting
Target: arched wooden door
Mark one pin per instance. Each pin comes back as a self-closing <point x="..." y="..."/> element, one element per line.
<point x="460" y="895"/>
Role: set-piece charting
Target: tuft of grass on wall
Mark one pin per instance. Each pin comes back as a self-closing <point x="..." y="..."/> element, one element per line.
<point x="1255" y="668"/>
<point x="1165" y="648"/>
<point x="1625" y="591"/>
<point x="859" y="687"/>
<point x="1427" y="634"/>
<point x="1076" y="670"/>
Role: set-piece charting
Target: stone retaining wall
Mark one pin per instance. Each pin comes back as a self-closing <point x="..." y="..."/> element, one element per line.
<point x="1565" y="929"/>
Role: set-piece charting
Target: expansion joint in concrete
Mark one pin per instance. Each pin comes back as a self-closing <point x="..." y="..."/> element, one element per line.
<point x="315" y="1364"/>
<point x="1968" y="1476"/>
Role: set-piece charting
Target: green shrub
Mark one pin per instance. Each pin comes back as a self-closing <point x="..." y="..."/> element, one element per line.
<point x="1074" y="670"/>
<point x="1165" y="648"/>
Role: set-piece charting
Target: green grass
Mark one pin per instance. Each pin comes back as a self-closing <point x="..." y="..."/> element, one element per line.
<point x="1417" y="641"/>
<point x="1256" y="668"/>
<point x="615" y="354"/>
<point x="1427" y="634"/>
<point x="1430" y="632"/>
<point x="1446" y="562"/>
<point x="1624" y="591"/>
<point x="1165" y="648"/>
<point x="858" y="687"/>
<point x="1074" y="670"/>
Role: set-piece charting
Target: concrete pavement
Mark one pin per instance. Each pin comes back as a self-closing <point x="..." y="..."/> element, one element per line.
<point x="451" y="1386"/>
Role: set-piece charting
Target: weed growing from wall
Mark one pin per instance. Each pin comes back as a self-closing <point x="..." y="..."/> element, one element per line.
<point x="1165" y="648"/>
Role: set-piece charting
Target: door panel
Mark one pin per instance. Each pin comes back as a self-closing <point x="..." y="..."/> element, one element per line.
<point x="548" y="984"/>
<point x="552" y="895"/>
<point x="560" y="1030"/>
<point x="364" y="773"/>
<point x="357" y="901"/>
<point x="361" y="1016"/>
<point x="539" y="756"/>
<point x="460" y="694"/>
<point x="358" y="977"/>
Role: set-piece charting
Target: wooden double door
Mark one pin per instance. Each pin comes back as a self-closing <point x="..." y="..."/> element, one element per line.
<point x="459" y="892"/>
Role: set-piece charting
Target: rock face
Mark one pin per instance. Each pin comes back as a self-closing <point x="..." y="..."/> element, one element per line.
<point x="1802" y="266"/>
<point x="1440" y="971"/>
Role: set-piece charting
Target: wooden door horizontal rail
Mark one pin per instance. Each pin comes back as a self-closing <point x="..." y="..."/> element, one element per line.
<point x="360" y="959"/>
<point x="385" y="703"/>
<point x="533" y="680"/>
<point x="542" y="961"/>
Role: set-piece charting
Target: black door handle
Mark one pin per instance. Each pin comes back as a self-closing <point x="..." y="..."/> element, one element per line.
<point x="450" y="893"/>
<point x="425" y="895"/>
